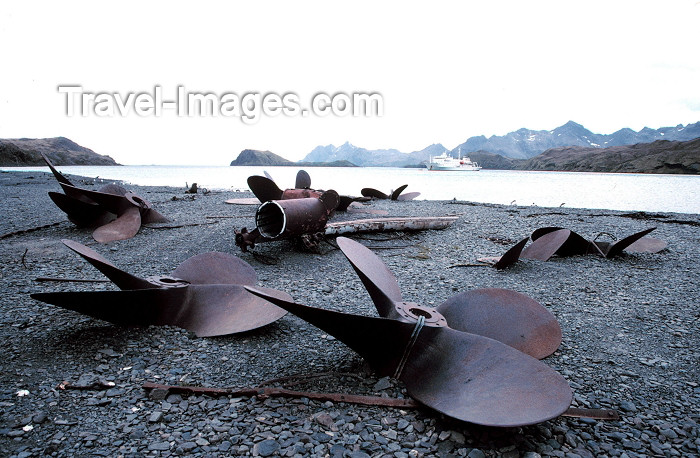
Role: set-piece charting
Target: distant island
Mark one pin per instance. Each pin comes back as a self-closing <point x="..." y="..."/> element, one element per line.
<point x="59" y="150"/>
<point x="253" y="157"/>
<point x="570" y="147"/>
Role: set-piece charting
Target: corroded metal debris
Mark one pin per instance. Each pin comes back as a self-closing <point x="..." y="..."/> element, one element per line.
<point x="205" y="294"/>
<point x="308" y="218"/>
<point x="551" y="241"/>
<point x="393" y="195"/>
<point x="474" y="357"/>
<point x="116" y="213"/>
<point x="281" y="219"/>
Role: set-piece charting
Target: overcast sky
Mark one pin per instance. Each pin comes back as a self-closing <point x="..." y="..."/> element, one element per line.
<point x="446" y="71"/>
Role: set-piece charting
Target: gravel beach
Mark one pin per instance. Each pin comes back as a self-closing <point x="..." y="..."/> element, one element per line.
<point x="630" y="327"/>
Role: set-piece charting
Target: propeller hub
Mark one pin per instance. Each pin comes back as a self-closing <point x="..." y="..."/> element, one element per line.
<point x="411" y="311"/>
<point x="165" y="281"/>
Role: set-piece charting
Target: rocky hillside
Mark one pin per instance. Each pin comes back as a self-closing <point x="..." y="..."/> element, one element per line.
<point x="252" y="157"/>
<point x="60" y="150"/>
<point x="661" y="156"/>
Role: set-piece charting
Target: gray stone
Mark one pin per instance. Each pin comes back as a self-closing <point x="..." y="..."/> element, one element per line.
<point x="266" y="447"/>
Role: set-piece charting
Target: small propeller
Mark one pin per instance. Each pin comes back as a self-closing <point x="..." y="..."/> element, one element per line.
<point x="550" y="241"/>
<point x="116" y="212"/>
<point x="205" y="294"/>
<point x="393" y="195"/>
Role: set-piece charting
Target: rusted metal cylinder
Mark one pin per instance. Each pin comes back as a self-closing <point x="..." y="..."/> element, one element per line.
<point x="289" y="218"/>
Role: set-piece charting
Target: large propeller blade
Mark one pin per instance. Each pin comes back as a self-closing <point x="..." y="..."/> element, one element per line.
<point x="264" y="188"/>
<point x="512" y="318"/>
<point x="205" y="294"/>
<point x="303" y="180"/>
<point x="504" y="315"/>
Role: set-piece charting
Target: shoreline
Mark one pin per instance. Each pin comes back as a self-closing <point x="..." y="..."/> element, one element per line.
<point x="629" y="336"/>
<point x="575" y="190"/>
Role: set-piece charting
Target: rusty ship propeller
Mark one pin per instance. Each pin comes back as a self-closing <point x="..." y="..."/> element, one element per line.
<point x="473" y="358"/>
<point x="393" y="195"/>
<point x="550" y="241"/>
<point x="116" y="213"/>
<point x="205" y="294"/>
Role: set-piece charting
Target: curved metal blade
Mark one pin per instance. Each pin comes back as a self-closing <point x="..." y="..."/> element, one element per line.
<point x="344" y="202"/>
<point x="264" y="188"/>
<point x="380" y="341"/>
<point x="512" y="255"/>
<point x="216" y="268"/>
<point x="114" y="203"/>
<point x="510" y="317"/>
<point x="124" y="227"/>
<point x="371" y="192"/>
<point x="379" y="282"/>
<point x="617" y="247"/>
<point x="546" y="245"/>
<point x="395" y="194"/>
<point x="408" y="196"/>
<point x="122" y="279"/>
<point x="113" y="188"/>
<point x="150" y="215"/>
<point x="303" y="180"/>
<point x="483" y="381"/>
<point x="215" y="310"/>
<point x="647" y="245"/>
<point x="58" y="175"/>
<point x="80" y="212"/>
<point x="207" y="310"/>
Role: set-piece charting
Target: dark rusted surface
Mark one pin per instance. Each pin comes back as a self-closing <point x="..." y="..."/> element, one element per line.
<point x="510" y="256"/>
<point x="444" y="365"/>
<point x="373" y="193"/>
<point x="397" y="192"/>
<point x="264" y="188"/>
<point x="546" y="245"/>
<point x="507" y="316"/>
<point x="115" y="212"/>
<point x="616" y="248"/>
<point x="204" y="294"/>
<point x="278" y="219"/>
<point x="303" y="180"/>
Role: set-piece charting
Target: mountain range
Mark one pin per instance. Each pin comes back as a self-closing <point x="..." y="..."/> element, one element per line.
<point x="520" y="144"/>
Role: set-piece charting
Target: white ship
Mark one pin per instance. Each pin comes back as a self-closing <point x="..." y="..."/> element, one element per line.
<point x="445" y="162"/>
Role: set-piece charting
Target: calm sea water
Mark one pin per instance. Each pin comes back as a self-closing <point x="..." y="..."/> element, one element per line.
<point x="615" y="191"/>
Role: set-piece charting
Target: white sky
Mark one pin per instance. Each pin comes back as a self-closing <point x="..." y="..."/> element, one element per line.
<point x="446" y="71"/>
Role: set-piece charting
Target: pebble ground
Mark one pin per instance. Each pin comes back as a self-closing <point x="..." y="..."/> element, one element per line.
<point x="630" y="328"/>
